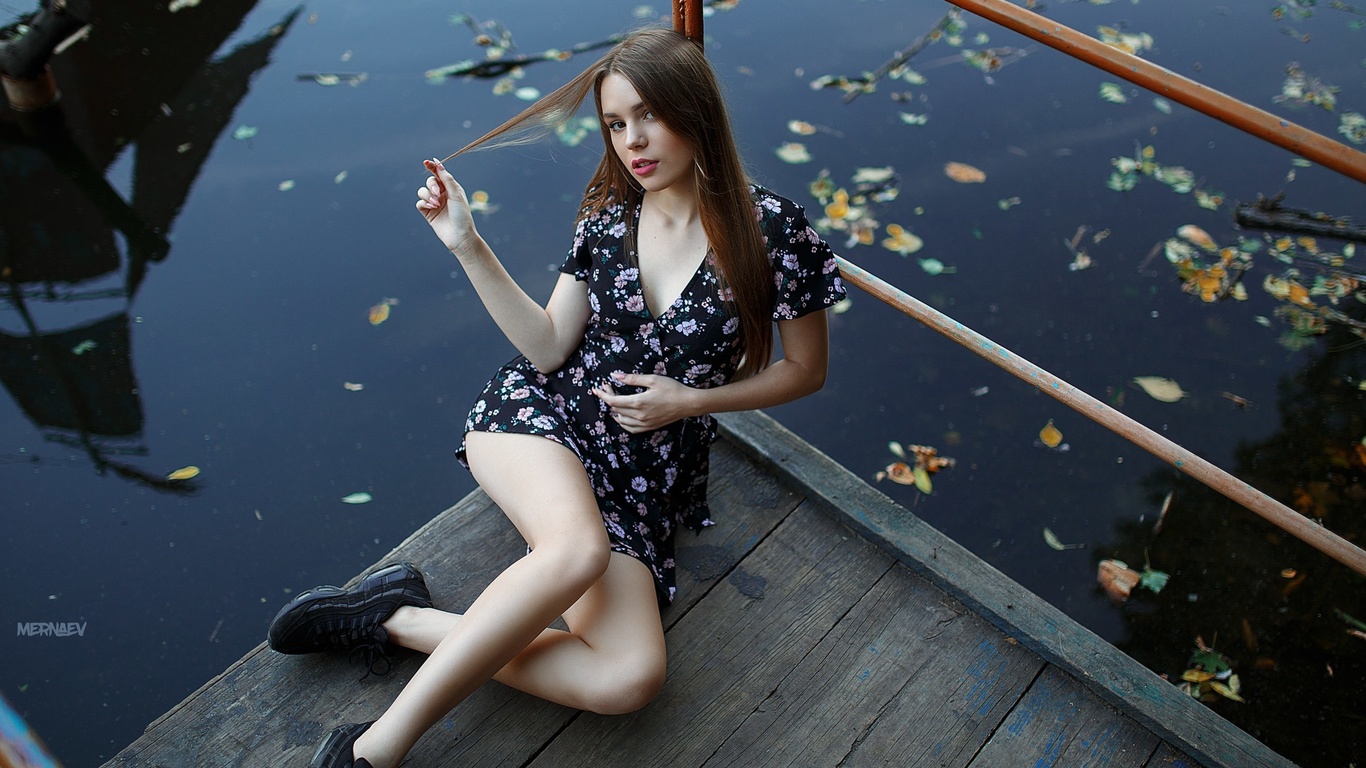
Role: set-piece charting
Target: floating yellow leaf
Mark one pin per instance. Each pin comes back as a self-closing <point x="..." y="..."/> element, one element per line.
<point x="964" y="173"/>
<point x="839" y="206"/>
<point x="379" y="313"/>
<point x="184" y="473"/>
<point x="801" y="127"/>
<point x="1198" y="236"/>
<point x="1050" y="435"/>
<point x="1227" y="691"/>
<point x="901" y="241"/>
<point x="1158" y="388"/>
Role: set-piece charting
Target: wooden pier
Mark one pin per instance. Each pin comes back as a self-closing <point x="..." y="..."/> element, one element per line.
<point x="818" y="624"/>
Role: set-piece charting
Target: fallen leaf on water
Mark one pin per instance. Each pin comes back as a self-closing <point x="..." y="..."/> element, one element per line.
<point x="922" y="478"/>
<point x="184" y="473"/>
<point x="879" y="175"/>
<point x="1117" y="579"/>
<point x="936" y="267"/>
<point x="794" y="152"/>
<point x="1152" y="579"/>
<point x="913" y="119"/>
<point x="1113" y="93"/>
<point x="901" y="241"/>
<point x="1050" y="435"/>
<point x="527" y="93"/>
<point x="379" y="313"/>
<point x="479" y="202"/>
<point x="1158" y="388"/>
<point x="244" y="132"/>
<point x="900" y="472"/>
<point x="1053" y="541"/>
<point x="964" y="173"/>
<point x="360" y="497"/>
<point x="801" y="127"/>
<point x="339" y="178"/>
<point x="352" y="387"/>
<point x="1198" y="236"/>
<point x="286" y="185"/>
<point x="896" y="449"/>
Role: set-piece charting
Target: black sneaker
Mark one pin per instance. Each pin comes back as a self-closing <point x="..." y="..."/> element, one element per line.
<point x="335" y="751"/>
<point x="330" y="618"/>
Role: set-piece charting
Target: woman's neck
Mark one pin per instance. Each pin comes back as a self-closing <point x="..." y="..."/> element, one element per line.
<point x="676" y="207"/>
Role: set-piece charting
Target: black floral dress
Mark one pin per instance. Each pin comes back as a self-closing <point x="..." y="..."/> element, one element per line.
<point x="650" y="483"/>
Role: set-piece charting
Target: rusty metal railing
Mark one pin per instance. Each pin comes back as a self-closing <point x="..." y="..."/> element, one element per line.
<point x="1302" y="141"/>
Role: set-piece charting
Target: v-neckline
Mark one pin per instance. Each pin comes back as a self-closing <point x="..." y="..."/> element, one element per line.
<point x="640" y="273"/>
<point x="640" y="286"/>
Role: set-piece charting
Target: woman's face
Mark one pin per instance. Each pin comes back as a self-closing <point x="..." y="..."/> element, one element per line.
<point x="654" y="156"/>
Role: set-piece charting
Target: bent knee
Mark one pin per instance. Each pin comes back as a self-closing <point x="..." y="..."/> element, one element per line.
<point x="634" y="686"/>
<point x="578" y="562"/>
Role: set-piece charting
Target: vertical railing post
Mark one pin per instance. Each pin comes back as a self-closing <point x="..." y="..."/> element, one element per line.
<point x="688" y="19"/>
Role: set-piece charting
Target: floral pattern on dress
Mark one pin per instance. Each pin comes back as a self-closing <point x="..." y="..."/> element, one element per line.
<point x="649" y="484"/>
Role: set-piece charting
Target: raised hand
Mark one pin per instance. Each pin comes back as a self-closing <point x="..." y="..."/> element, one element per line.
<point x="442" y="202"/>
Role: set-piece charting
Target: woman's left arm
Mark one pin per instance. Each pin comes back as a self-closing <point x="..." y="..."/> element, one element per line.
<point x="801" y="371"/>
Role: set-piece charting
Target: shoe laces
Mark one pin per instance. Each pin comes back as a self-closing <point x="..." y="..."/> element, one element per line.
<point x="367" y="642"/>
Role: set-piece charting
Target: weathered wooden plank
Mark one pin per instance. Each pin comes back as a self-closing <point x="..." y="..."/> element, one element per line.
<point x="1168" y="756"/>
<point x="498" y="726"/>
<point x="270" y="710"/>
<point x="908" y="677"/>
<point x="735" y="647"/>
<point x="1059" y="722"/>
<point x="1190" y="727"/>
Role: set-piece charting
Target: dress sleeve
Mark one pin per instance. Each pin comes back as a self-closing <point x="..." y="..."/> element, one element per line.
<point x="805" y="276"/>
<point x="580" y="260"/>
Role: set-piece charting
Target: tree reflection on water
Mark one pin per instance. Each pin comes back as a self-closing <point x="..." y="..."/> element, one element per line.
<point x="1290" y="640"/>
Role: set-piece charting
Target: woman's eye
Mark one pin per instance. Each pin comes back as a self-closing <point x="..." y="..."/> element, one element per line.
<point x="649" y="115"/>
<point x="615" y="125"/>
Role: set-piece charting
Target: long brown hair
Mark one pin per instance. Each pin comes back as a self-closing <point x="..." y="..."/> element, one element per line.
<point x="678" y="86"/>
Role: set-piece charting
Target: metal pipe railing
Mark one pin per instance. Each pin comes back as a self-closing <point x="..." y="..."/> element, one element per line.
<point x="1237" y="490"/>
<point x="688" y="20"/>
<point x="1262" y="124"/>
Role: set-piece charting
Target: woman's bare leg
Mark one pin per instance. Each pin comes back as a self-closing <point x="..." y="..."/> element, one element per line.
<point x="542" y="488"/>
<point x="611" y="661"/>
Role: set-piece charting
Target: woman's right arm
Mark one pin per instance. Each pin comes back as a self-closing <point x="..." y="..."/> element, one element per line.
<point x="545" y="335"/>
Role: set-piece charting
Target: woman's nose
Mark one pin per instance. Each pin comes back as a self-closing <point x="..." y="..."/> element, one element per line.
<point x="635" y="137"/>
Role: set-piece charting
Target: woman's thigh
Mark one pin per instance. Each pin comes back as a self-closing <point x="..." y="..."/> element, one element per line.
<point x="539" y="484"/>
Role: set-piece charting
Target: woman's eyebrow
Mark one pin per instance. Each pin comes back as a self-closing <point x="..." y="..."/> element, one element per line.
<point x="638" y="107"/>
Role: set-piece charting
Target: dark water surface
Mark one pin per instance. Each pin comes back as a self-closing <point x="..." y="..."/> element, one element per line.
<point x="226" y="344"/>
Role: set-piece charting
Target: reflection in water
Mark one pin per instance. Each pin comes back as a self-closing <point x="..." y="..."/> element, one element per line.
<point x="60" y="218"/>
<point x="1220" y="555"/>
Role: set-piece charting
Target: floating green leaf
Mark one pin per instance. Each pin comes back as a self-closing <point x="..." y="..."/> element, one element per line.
<point x="360" y="497"/>
<point x="1113" y="93"/>
<point x="1154" y="580"/>
<point x="244" y="132"/>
